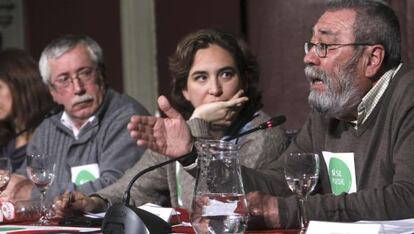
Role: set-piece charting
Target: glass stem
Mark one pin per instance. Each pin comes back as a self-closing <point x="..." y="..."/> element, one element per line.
<point x="302" y="214"/>
<point x="42" y="205"/>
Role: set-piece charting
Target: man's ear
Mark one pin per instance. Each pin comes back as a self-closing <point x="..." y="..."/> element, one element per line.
<point x="53" y="93"/>
<point x="376" y="55"/>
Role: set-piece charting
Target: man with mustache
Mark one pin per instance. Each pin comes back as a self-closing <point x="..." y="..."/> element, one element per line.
<point x="88" y="141"/>
<point x="362" y="125"/>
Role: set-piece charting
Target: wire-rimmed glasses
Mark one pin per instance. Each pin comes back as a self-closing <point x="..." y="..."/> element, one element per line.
<point x="85" y="75"/>
<point x="321" y="49"/>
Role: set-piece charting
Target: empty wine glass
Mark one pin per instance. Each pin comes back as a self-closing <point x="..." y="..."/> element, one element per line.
<point x="5" y="173"/>
<point x="41" y="171"/>
<point x="301" y="174"/>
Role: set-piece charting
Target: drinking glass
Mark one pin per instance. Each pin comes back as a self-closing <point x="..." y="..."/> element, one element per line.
<point x="5" y="173"/>
<point x="219" y="203"/>
<point x="41" y="171"/>
<point x="301" y="174"/>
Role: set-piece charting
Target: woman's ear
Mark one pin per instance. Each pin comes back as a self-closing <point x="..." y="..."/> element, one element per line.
<point x="185" y="94"/>
<point x="376" y="55"/>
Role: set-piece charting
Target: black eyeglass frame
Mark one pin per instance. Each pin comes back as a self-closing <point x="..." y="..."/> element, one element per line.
<point x="324" y="47"/>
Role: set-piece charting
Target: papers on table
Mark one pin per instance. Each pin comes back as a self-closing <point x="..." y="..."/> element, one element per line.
<point x="319" y="227"/>
<point x="162" y="212"/>
<point x="42" y="229"/>
<point x="404" y="226"/>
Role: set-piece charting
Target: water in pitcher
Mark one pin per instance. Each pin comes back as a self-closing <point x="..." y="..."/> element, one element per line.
<point x="219" y="204"/>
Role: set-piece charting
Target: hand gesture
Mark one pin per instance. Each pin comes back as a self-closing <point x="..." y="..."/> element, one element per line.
<point x="221" y="113"/>
<point x="169" y="136"/>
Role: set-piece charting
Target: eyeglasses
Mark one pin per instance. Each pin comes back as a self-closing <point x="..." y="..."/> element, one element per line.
<point x="322" y="48"/>
<point x="65" y="80"/>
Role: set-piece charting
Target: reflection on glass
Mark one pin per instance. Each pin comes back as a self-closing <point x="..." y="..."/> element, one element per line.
<point x="219" y="203"/>
<point x="41" y="171"/>
<point x="301" y="174"/>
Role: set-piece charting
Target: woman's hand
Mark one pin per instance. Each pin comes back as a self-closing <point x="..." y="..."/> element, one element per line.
<point x="221" y="113"/>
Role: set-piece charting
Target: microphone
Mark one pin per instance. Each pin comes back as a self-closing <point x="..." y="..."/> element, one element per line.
<point x="271" y="123"/>
<point x="124" y="218"/>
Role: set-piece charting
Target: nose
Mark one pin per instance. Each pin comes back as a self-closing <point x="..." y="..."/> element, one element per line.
<point x="215" y="87"/>
<point x="311" y="58"/>
<point x="78" y="86"/>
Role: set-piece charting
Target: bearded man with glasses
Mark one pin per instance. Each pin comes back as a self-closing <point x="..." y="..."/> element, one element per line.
<point x="88" y="139"/>
<point x="362" y="125"/>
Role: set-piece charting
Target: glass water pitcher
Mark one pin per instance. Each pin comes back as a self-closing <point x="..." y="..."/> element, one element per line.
<point x="219" y="203"/>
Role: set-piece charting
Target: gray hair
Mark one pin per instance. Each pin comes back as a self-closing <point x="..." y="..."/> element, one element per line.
<point x="375" y="23"/>
<point x="60" y="46"/>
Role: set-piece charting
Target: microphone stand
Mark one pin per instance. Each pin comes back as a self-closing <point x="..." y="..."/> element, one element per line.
<point x="124" y="218"/>
<point x="273" y="122"/>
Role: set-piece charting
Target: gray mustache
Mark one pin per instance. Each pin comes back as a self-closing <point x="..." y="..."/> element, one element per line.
<point x="311" y="72"/>
<point x="83" y="98"/>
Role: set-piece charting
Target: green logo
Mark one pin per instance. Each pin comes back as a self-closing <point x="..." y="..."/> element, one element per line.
<point x="339" y="176"/>
<point x="83" y="177"/>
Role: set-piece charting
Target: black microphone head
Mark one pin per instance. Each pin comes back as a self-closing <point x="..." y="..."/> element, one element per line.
<point x="127" y="219"/>
<point x="273" y="122"/>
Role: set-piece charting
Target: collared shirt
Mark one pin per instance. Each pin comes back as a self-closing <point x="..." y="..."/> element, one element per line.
<point x="371" y="99"/>
<point x="67" y="122"/>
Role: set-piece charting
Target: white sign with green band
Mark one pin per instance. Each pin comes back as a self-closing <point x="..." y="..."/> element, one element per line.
<point x="341" y="170"/>
<point x="85" y="173"/>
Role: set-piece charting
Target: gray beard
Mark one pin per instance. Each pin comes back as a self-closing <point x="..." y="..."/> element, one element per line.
<point x="340" y="99"/>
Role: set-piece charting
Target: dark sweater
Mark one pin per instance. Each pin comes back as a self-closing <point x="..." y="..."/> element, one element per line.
<point x="383" y="148"/>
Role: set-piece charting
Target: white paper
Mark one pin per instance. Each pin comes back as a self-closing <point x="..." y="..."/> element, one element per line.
<point x="27" y="228"/>
<point x="319" y="227"/>
<point x="162" y="212"/>
<point x="403" y="226"/>
<point x="94" y="215"/>
<point x="218" y="208"/>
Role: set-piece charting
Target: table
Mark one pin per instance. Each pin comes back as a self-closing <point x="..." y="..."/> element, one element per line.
<point x="184" y="216"/>
<point x="178" y="229"/>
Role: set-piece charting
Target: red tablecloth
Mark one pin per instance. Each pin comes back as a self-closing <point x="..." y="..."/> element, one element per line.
<point x="176" y="220"/>
<point x="184" y="216"/>
<point x="178" y="229"/>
